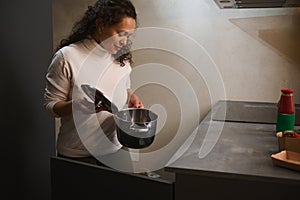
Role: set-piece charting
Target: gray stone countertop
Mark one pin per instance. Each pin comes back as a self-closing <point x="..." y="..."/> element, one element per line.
<point x="238" y="145"/>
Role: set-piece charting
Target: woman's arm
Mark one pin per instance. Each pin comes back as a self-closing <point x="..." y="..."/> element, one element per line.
<point x="57" y="91"/>
<point x="63" y="108"/>
<point x="58" y="82"/>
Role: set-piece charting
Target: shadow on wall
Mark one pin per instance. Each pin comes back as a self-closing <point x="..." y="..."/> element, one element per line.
<point x="285" y="40"/>
<point x="12" y="127"/>
<point x="280" y="33"/>
<point x="26" y="129"/>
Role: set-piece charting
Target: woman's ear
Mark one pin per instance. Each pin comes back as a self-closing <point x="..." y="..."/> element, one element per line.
<point x="99" y="25"/>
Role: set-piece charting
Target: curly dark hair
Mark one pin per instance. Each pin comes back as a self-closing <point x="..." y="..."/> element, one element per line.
<point x="110" y="12"/>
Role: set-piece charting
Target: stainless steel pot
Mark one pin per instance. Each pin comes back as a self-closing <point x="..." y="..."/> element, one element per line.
<point x="136" y="127"/>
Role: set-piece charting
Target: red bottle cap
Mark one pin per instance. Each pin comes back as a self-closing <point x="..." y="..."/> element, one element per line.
<point x="287" y="91"/>
<point x="286" y="103"/>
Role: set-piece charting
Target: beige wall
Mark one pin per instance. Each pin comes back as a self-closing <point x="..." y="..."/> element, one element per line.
<point x="65" y="13"/>
<point x="253" y="49"/>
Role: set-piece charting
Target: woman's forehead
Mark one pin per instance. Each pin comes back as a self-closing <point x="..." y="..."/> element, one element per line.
<point x="127" y="24"/>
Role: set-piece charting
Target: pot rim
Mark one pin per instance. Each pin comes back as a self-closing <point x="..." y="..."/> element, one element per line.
<point x="128" y="109"/>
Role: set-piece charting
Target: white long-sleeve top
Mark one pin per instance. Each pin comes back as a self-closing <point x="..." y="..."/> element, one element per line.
<point x="86" y="62"/>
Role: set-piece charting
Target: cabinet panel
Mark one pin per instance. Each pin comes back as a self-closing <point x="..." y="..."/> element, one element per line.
<point x="190" y="186"/>
<point x="76" y="180"/>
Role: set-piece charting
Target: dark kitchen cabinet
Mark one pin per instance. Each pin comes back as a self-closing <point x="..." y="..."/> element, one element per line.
<point x="77" y="181"/>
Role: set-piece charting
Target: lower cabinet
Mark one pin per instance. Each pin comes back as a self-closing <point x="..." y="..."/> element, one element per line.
<point x="192" y="186"/>
<point x="82" y="181"/>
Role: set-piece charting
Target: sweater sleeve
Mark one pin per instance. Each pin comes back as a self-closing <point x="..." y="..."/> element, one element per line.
<point x="58" y="82"/>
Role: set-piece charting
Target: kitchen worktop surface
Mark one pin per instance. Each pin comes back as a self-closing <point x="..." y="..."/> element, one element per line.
<point x="236" y="145"/>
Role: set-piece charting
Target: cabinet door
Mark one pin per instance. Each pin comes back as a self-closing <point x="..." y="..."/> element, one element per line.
<point x="77" y="181"/>
<point x="190" y="186"/>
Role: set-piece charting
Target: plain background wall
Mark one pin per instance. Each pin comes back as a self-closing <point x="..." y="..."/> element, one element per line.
<point x="251" y="47"/>
<point x="244" y="43"/>
<point x="27" y="140"/>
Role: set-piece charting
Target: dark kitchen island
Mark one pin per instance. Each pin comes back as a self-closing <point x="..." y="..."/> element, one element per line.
<point x="235" y="163"/>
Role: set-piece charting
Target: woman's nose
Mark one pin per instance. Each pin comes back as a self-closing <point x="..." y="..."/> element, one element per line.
<point x="123" y="41"/>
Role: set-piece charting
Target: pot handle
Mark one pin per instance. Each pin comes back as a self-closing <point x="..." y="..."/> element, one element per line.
<point x="145" y="127"/>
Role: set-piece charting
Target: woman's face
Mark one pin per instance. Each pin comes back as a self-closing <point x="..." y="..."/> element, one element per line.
<point x="113" y="38"/>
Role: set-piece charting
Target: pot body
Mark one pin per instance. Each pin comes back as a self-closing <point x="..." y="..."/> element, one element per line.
<point x="136" y="127"/>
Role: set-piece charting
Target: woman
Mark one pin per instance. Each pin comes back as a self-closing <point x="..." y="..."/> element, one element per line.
<point x="96" y="52"/>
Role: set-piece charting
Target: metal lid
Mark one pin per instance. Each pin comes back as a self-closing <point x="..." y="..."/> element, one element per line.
<point x="98" y="97"/>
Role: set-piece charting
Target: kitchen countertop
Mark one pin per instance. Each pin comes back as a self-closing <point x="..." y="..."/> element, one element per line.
<point x="244" y="146"/>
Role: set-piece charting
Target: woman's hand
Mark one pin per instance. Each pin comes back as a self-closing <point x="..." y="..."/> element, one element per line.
<point x="135" y="102"/>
